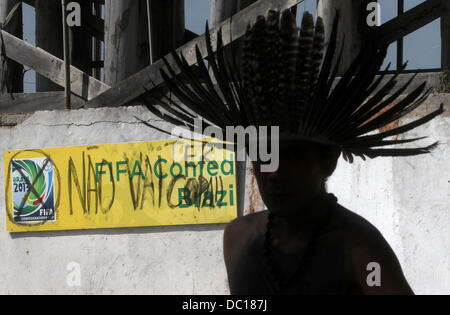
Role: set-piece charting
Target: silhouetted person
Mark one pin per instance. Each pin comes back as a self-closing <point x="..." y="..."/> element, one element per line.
<point x="316" y="245"/>
<point x="305" y="242"/>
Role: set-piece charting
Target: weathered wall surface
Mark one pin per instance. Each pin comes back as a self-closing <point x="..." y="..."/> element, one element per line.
<point x="406" y="199"/>
<point x="154" y="260"/>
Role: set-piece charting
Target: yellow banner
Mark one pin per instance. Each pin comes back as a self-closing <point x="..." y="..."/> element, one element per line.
<point x="173" y="182"/>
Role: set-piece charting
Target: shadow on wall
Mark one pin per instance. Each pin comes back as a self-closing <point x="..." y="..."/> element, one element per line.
<point x="123" y="231"/>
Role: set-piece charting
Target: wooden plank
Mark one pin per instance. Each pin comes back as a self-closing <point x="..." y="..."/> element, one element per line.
<point x="232" y="29"/>
<point x="409" y="22"/>
<point x="433" y="80"/>
<point x="52" y="67"/>
<point x="30" y="102"/>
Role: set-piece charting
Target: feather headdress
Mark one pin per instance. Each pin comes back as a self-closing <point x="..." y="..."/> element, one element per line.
<point x="287" y="79"/>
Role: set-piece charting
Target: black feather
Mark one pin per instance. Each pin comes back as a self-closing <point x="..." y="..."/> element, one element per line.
<point x="286" y="79"/>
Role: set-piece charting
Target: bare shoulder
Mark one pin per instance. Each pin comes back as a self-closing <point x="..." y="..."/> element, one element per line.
<point x="348" y="226"/>
<point x="239" y="231"/>
<point x="356" y="233"/>
<point x="244" y="226"/>
<point x="365" y="247"/>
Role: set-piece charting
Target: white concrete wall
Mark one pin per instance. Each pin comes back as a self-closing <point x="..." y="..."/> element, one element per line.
<point x="407" y="199"/>
<point x="154" y="260"/>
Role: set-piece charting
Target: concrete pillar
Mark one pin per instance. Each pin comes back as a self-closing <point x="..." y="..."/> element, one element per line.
<point x="126" y="34"/>
<point x="221" y="10"/>
<point x="352" y="24"/>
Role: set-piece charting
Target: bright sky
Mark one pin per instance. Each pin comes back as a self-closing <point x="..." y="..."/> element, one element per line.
<point x="422" y="49"/>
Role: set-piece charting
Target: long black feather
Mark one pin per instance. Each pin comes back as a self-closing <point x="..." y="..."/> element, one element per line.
<point x="288" y="80"/>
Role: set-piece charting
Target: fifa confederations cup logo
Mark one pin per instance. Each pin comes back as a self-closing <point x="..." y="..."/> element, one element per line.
<point x="33" y="190"/>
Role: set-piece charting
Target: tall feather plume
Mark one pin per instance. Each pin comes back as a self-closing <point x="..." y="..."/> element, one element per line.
<point x="317" y="53"/>
<point x="248" y="72"/>
<point x="304" y="65"/>
<point x="281" y="105"/>
<point x="317" y="49"/>
<point x="326" y="79"/>
<point x="273" y="53"/>
<point x="259" y="67"/>
<point x="289" y="55"/>
<point x="288" y="80"/>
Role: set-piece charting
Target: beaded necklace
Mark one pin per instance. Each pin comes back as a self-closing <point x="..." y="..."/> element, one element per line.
<point x="271" y="265"/>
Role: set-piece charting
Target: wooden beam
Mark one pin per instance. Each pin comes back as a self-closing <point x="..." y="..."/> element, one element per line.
<point x="52" y="67"/>
<point x="31" y="102"/>
<point x="433" y="80"/>
<point x="409" y="21"/>
<point x="232" y="29"/>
